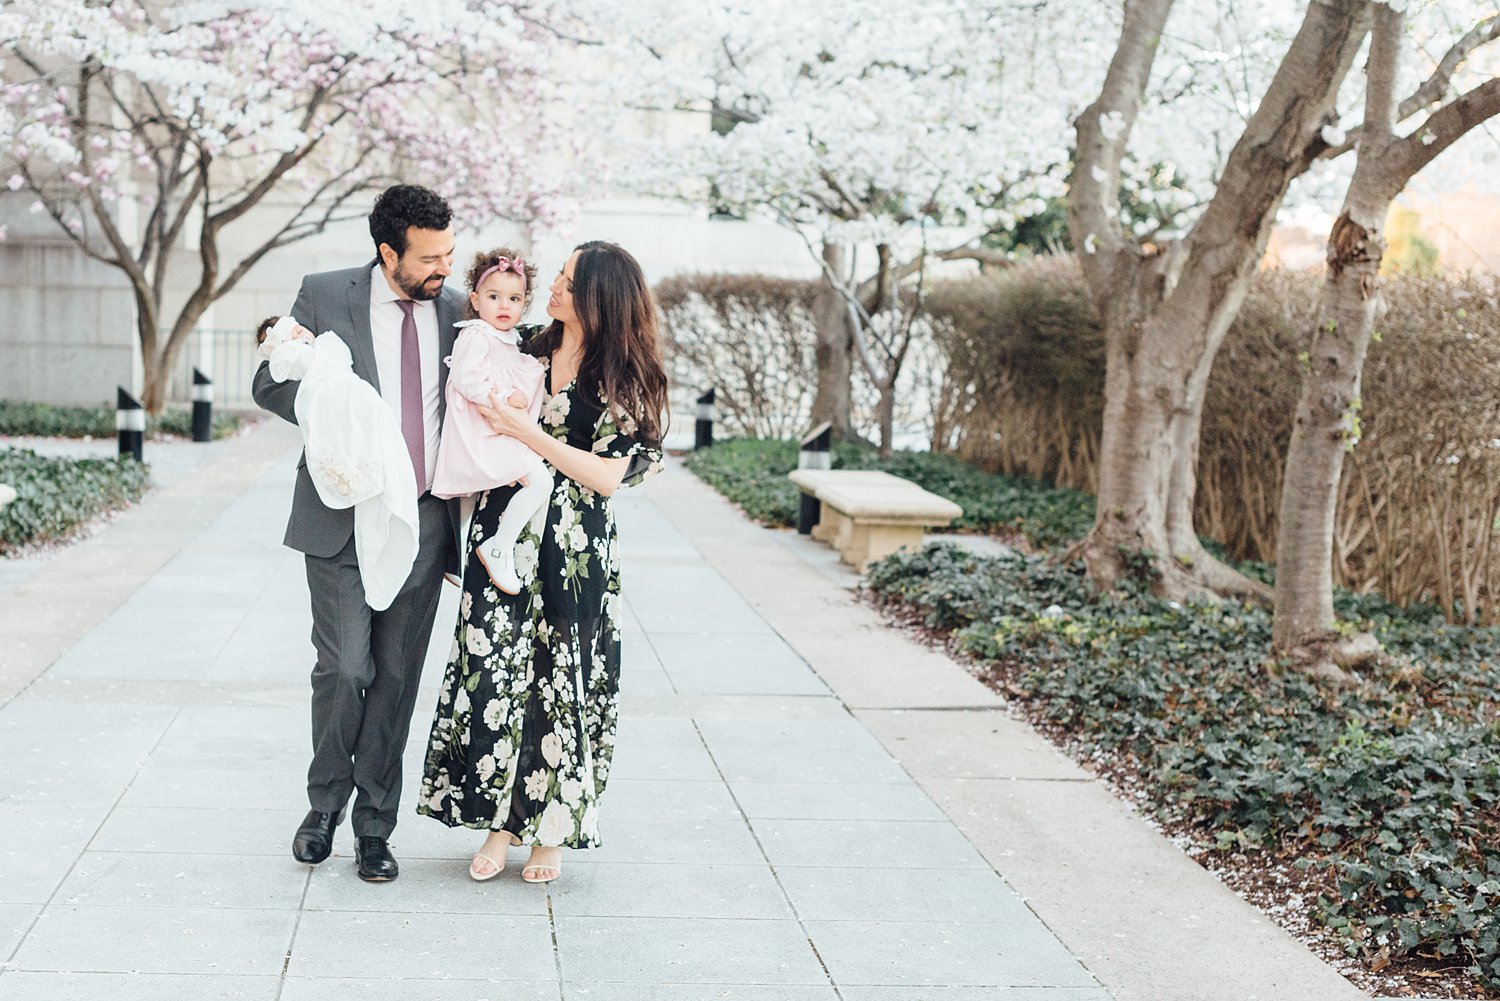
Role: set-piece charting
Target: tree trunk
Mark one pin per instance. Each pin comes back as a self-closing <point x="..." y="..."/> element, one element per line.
<point x="1166" y="313"/>
<point x="1304" y="631"/>
<point x="834" y="352"/>
<point x="1325" y="428"/>
<point x="159" y="354"/>
<point x="887" y="415"/>
<point x="1304" y="628"/>
<point x="1207" y="572"/>
<point x="1134" y="468"/>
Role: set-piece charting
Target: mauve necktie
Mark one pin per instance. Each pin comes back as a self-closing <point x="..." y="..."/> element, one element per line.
<point x="411" y="395"/>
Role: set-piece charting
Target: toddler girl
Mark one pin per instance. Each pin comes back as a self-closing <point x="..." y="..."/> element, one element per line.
<point x="487" y="362"/>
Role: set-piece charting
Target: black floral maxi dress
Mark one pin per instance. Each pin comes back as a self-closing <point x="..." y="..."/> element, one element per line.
<point x="525" y="724"/>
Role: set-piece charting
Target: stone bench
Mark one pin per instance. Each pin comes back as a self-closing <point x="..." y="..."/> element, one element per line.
<point x="867" y="514"/>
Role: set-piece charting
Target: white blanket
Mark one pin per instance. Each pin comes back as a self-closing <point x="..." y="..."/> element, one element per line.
<point x="357" y="457"/>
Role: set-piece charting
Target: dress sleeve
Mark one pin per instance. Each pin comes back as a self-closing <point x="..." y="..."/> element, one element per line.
<point x="617" y="437"/>
<point x="467" y="369"/>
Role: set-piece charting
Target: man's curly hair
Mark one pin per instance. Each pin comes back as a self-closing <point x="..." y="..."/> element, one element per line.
<point x="404" y="205"/>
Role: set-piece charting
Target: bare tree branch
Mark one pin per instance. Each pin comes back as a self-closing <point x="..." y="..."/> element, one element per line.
<point x="1446" y="126"/>
<point x="1433" y="89"/>
<point x="1436" y="87"/>
<point x="1380" y="74"/>
<point x="87" y="70"/>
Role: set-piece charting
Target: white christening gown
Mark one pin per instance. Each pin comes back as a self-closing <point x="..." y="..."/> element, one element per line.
<point x="356" y="457"/>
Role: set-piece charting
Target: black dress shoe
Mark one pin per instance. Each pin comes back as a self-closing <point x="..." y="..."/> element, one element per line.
<point x="314" y="839"/>
<point x="376" y="863"/>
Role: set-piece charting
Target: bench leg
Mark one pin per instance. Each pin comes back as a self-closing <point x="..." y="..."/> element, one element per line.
<point x="867" y="543"/>
<point x="831" y="527"/>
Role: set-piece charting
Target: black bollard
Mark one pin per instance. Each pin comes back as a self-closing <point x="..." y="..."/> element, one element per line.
<point x="703" y="431"/>
<point x="814" y="454"/>
<point x="130" y="421"/>
<point x="203" y="407"/>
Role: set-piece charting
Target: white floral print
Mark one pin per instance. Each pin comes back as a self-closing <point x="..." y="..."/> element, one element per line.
<point x="478" y="642"/>
<point x="555" y="410"/>
<point x="556" y="824"/>
<point x="552" y="749"/>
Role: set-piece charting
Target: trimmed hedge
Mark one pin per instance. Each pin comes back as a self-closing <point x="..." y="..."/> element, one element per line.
<point x="56" y="495"/>
<point x="47" y="421"/>
<point x="1388" y="796"/>
<point x="1417" y="497"/>
<point x="753" y="474"/>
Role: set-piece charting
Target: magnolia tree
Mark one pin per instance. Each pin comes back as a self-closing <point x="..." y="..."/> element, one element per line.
<point x="146" y="130"/>
<point x="1427" y="85"/>
<point x="886" y="134"/>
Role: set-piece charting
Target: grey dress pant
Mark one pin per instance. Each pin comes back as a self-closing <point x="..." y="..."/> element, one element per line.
<point x="364" y="685"/>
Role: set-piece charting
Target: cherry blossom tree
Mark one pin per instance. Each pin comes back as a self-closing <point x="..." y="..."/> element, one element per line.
<point x="1398" y="137"/>
<point x="145" y="131"/>
<point x="1167" y="303"/>
<point x="1167" y="300"/>
<point x="888" y="135"/>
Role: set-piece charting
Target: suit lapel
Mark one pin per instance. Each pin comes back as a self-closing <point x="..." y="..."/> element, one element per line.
<point x="447" y="316"/>
<point x="363" y="346"/>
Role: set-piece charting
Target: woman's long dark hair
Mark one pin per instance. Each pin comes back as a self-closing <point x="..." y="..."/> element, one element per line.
<point x="621" y="360"/>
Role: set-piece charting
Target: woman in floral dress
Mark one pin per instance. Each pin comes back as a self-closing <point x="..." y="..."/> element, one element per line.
<point x="525" y="724"/>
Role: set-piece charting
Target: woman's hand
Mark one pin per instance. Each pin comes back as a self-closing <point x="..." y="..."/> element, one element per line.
<point x="508" y="417"/>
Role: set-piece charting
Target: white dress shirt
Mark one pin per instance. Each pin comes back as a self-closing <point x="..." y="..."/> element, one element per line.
<point x="385" y="331"/>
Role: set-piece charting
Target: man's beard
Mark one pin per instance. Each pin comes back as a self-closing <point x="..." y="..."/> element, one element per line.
<point x="417" y="289"/>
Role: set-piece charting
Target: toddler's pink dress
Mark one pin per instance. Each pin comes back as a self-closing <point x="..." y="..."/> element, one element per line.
<point x="471" y="457"/>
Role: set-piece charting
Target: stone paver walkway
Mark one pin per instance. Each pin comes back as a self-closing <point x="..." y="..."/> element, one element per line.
<point x="761" y="842"/>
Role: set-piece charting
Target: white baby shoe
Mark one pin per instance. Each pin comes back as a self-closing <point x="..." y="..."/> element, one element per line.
<point x="499" y="561"/>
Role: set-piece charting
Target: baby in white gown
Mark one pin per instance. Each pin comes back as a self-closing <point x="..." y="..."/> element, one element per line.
<point x="355" y="453"/>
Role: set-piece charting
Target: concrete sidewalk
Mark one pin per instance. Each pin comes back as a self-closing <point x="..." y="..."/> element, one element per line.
<point x="805" y="806"/>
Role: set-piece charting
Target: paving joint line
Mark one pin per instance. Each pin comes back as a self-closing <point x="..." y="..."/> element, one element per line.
<point x="52" y="897"/>
<point x="775" y="876"/>
<point x="556" y="950"/>
<point x="291" y="945"/>
<point x="647" y="637"/>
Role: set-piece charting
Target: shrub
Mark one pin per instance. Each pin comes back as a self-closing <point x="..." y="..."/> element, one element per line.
<point x="1388" y="797"/>
<point x="1026" y="366"/>
<point x="753" y="474"/>
<point x="1416" y="518"/>
<point x="56" y="495"/>
<point x="179" y="423"/>
<point x="48" y="421"/>
<point x="753" y="339"/>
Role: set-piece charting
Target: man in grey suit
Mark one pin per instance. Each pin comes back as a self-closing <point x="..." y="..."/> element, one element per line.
<point x="397" y="319"/>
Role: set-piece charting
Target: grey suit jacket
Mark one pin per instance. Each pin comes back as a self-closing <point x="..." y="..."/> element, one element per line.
<point x="340" y="301"/>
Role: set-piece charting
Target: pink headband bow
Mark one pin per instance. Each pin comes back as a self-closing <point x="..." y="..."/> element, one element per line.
<point x="518" y="265"/>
